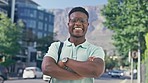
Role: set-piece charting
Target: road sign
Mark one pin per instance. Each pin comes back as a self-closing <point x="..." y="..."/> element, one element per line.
<point x="134" y="55"/>
<point x="39" y="55"/>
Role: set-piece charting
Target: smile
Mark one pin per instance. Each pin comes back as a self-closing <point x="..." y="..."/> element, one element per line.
<point x="78" y="28"/>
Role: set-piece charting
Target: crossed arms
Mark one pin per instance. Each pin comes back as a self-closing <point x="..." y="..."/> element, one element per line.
<point x="93" y="67"/>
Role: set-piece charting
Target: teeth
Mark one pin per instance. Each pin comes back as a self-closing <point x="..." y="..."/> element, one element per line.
<point x="78" y="28"/>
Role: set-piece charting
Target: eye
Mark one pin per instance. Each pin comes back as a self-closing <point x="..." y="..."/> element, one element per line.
<point x="73" y="20"/>
<point x="82" y="21"/>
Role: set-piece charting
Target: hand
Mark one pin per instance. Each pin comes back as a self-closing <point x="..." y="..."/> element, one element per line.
<point x="61" y="64"/>
<point x="91" y="58"/>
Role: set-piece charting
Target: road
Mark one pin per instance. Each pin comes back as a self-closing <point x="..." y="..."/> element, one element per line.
<point x="96" y="81"/>
<point x="105" y="80"/>
<point x="113" y="80"/>
<point x="102" y="79"/>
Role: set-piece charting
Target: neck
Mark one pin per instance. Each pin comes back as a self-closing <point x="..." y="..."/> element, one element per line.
<point x="77" y="41"/>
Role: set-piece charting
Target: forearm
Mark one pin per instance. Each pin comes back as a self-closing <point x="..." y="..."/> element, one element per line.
<point x="63" y="74"/>
<point x="52" y="69"/>
<point x="86" y="68"/>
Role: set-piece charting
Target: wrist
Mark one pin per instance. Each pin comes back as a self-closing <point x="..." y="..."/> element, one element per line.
<point x="65" y="60"/>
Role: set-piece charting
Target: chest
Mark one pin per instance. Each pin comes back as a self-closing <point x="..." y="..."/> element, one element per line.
<point x="76" y="53"/>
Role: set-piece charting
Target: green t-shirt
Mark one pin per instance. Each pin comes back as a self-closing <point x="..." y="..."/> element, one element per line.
<point x="80" y="53"/>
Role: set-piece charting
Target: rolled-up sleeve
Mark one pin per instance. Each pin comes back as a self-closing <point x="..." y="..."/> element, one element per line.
<point x="99" y="53"/>
<point x="53" y="51"/>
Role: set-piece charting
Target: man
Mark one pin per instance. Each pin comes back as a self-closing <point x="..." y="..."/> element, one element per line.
<point x="80" y="61"/>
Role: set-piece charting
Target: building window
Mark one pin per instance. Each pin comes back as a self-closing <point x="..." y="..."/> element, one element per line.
<point x="45" y="27"/>
<point x="28" y="13"/>
<point x="22" y="4"/>
<point x="31" y="23"/>
<point x="46" y="19"/>
<point x="40" y="35"/>
<point x="50" y="28"/>
<point x="2" y="10"/>
<point x="41" y="16"/>
<point x="45" y="34"/>
<point x="33" y="13"/>
<point x="40" y="25"/>
<point x="50" y="18"/>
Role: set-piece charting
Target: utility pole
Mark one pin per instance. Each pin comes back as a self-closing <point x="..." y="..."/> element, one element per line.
<point x="131" y="70"/>
<point x="12" y="11"/>
<point x="139" y="61"/>
<point x="131" y="61"/>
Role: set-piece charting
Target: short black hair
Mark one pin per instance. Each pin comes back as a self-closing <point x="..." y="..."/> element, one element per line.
<point x="78" y="9"/>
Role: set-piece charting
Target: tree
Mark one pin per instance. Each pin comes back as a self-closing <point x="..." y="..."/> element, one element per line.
<point x="146" y="51"/>
<point x="110" y="63"/>
<point x="10" y="35"/>
<point x="128" y="20"/>
<point x="146" y="58"/>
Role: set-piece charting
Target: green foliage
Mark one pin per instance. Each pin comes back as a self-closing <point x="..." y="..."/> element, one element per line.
<point x="146" y="51"/>
<point x="110" y="63"/>
<point x="113" y="62"/>
<point x="10" y="34"/>
<point x="8" y="62"/>
<point x="146" y="57"/>
<point x="128" y="20"/>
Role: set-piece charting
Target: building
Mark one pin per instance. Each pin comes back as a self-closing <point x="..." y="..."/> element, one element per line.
<point x="3" y="6"/>
<point x="38" y="24"/>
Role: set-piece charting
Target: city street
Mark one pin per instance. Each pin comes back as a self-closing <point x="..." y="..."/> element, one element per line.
<point x="104" y="79"/>
<point x="112" y="30"/>
<point x="96" y="81"/>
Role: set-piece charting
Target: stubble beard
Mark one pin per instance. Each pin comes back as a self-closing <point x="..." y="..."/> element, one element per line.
<point x="75" y="36"/>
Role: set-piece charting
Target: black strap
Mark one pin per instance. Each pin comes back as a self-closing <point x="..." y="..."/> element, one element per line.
<point x="59" y="53"/>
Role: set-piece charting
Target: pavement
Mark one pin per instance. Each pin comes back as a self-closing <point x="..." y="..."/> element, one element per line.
<point x="14" y="76"/>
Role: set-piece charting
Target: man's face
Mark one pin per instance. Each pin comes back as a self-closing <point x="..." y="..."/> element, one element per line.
<point x="78" y="24"/>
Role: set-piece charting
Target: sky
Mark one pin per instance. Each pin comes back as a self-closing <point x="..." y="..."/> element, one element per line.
<point x="61" y="4"/>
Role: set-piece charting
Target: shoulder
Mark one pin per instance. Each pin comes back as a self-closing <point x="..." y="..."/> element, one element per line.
<point x="97" y="51"/>
<point x="55" y="44"/>
<point x="95" y="47"/>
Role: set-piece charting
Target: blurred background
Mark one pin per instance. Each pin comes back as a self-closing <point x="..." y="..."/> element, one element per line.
<point x="28" y="27"/>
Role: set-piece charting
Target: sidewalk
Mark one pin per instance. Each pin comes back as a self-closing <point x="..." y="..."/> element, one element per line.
<point x="13" y="76"/>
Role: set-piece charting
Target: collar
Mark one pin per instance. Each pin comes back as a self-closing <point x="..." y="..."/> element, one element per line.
<point x="83" y="45"/>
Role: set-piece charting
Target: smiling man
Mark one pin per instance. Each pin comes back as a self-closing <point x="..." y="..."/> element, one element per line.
<point x="80" y="61"/>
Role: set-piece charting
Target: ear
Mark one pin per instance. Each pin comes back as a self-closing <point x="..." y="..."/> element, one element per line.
<point x="68" y="23"/>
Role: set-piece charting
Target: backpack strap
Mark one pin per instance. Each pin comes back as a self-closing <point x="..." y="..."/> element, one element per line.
<point x="59" y="51"/>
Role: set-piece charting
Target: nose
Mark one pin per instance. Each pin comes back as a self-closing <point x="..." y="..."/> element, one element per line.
<point x="78" y="22"/>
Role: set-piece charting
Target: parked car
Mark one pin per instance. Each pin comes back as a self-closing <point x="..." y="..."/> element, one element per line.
<point x="3" y="73"/>
<point x="32" y="72"/>
<point x="116" y="73"/>
<point x="46" y="77"/>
